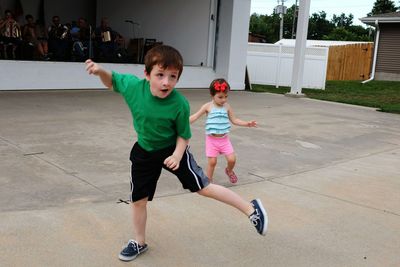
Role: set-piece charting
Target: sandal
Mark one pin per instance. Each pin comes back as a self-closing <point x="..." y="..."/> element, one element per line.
<point x="232" y="176"/>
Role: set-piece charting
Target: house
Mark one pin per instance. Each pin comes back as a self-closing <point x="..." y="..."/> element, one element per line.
<point x="256" y="38"/>
<point x="386" y="60"/>
<point x="210" y="34"/>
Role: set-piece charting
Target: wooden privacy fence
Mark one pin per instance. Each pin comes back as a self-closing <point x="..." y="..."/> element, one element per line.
<point x="350" y="62"/>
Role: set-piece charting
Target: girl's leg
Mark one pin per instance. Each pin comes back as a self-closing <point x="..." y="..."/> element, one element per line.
<point x="231" y="161"/>
<point x="139" y="215"/>
<point x="212" y="162"/>
<point x="227" y="196"/>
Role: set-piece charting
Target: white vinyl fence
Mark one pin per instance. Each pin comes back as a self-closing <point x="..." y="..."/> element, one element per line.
<point x="272" y="64"/>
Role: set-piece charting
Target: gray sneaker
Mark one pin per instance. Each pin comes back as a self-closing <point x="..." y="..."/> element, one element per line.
<point x="259" y="217"/>
<point x="132" y="250"/>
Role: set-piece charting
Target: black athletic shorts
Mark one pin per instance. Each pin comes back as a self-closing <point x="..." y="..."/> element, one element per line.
<point x="146" y="169"/>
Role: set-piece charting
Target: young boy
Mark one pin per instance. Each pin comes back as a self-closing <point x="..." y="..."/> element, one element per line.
<point x="161" y="120"/>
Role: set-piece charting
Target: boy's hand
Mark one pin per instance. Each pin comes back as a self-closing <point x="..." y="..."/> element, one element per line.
<point x="95" y="69"/>
<point x="172" y="162"/>
<point x="251" y="124"/>
<point x="92" y="67"/>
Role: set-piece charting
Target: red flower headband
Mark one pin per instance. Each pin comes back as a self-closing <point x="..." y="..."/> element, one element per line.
<point x="220" y="87"/>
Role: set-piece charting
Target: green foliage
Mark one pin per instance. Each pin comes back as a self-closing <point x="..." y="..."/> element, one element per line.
<point x="362" y="33"/>
<point x="257" y="24"/>
<point x="343" y="20"/>
<point x="340" y="28"/>
<point x="261" y="24"/>
<point x="289" y="28"/>
<point x="383" y="6"/>
<point x="341" y="34"/>
<point x="319" y="26"/>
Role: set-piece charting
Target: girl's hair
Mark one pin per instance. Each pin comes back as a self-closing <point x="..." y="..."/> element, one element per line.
<point x="219" y="85"/>
<point x="165" y="56"/>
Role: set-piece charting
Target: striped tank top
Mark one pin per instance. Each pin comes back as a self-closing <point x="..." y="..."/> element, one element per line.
<point x="217" y="121"/>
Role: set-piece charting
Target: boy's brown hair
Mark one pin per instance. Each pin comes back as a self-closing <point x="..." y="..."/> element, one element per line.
<point x="165" y="56"/>
<point x="219" y="85"/>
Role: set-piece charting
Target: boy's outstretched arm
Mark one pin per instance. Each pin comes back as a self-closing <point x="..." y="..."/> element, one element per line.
<point x="104" y="75"/>
<point x="172" y="161"/>
<point x="199" y="113"/>
<point x="236" y="121"/>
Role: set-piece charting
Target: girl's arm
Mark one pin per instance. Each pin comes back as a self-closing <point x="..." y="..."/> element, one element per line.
<point x="199" y="113"/>
<point x="104" y="75"/>
<point x="239" y="122"/>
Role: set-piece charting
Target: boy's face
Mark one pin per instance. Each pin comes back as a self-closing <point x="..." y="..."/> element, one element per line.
<point x="162" y="81"/>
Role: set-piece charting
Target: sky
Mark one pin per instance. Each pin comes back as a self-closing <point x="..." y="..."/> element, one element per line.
<point x="359" y="8"/>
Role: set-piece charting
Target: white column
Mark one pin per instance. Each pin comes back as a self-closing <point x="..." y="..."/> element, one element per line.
<point x="300" y="48"/>
<point x="232" y="41"/>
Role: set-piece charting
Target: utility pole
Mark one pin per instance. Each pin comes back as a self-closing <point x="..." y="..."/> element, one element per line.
<point x="281" y="27"/>
<point x="281" y="10"/>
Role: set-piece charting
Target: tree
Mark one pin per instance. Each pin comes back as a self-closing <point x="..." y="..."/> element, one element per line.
<point x="383" y="6"/>
<point x="341" y="34"/>
<point x="343" y="20"/>
<point x="289" y="22"/>
<point x="257" y="24"/>
<point x="319" y="26"/>
<point x="363" y="34"/>
<point x="265" y="25"/>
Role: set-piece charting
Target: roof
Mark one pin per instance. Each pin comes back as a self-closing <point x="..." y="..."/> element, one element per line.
<point x="291" y="42"/>
<point x="392" y="17"/>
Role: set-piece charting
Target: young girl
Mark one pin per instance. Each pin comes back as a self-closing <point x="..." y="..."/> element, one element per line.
<point x="219" y="118"/>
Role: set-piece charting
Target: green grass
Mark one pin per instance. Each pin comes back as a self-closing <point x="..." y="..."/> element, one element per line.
<point x="383" y="95"/>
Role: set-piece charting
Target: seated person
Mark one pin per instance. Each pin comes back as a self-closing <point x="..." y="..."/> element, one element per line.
<point x="10" y="33"/>
<point x="80" y="34"/>
<point x="35" y="37"/>
<point x="74" y="31"/>
<point x="107" y="42"/>
<point x="59" y="40"/>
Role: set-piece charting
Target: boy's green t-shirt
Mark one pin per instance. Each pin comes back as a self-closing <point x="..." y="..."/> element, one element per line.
<point x="157" y="121"/>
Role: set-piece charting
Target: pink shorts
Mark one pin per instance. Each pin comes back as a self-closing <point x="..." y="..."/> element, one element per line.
<point x="218" y="145"/>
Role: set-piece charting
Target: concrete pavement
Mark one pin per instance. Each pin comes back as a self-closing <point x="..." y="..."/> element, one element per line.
<point x="327" y="173"/>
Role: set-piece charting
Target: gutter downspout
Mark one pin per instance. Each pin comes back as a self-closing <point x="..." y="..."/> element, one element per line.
<point x="375" y="53"/>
